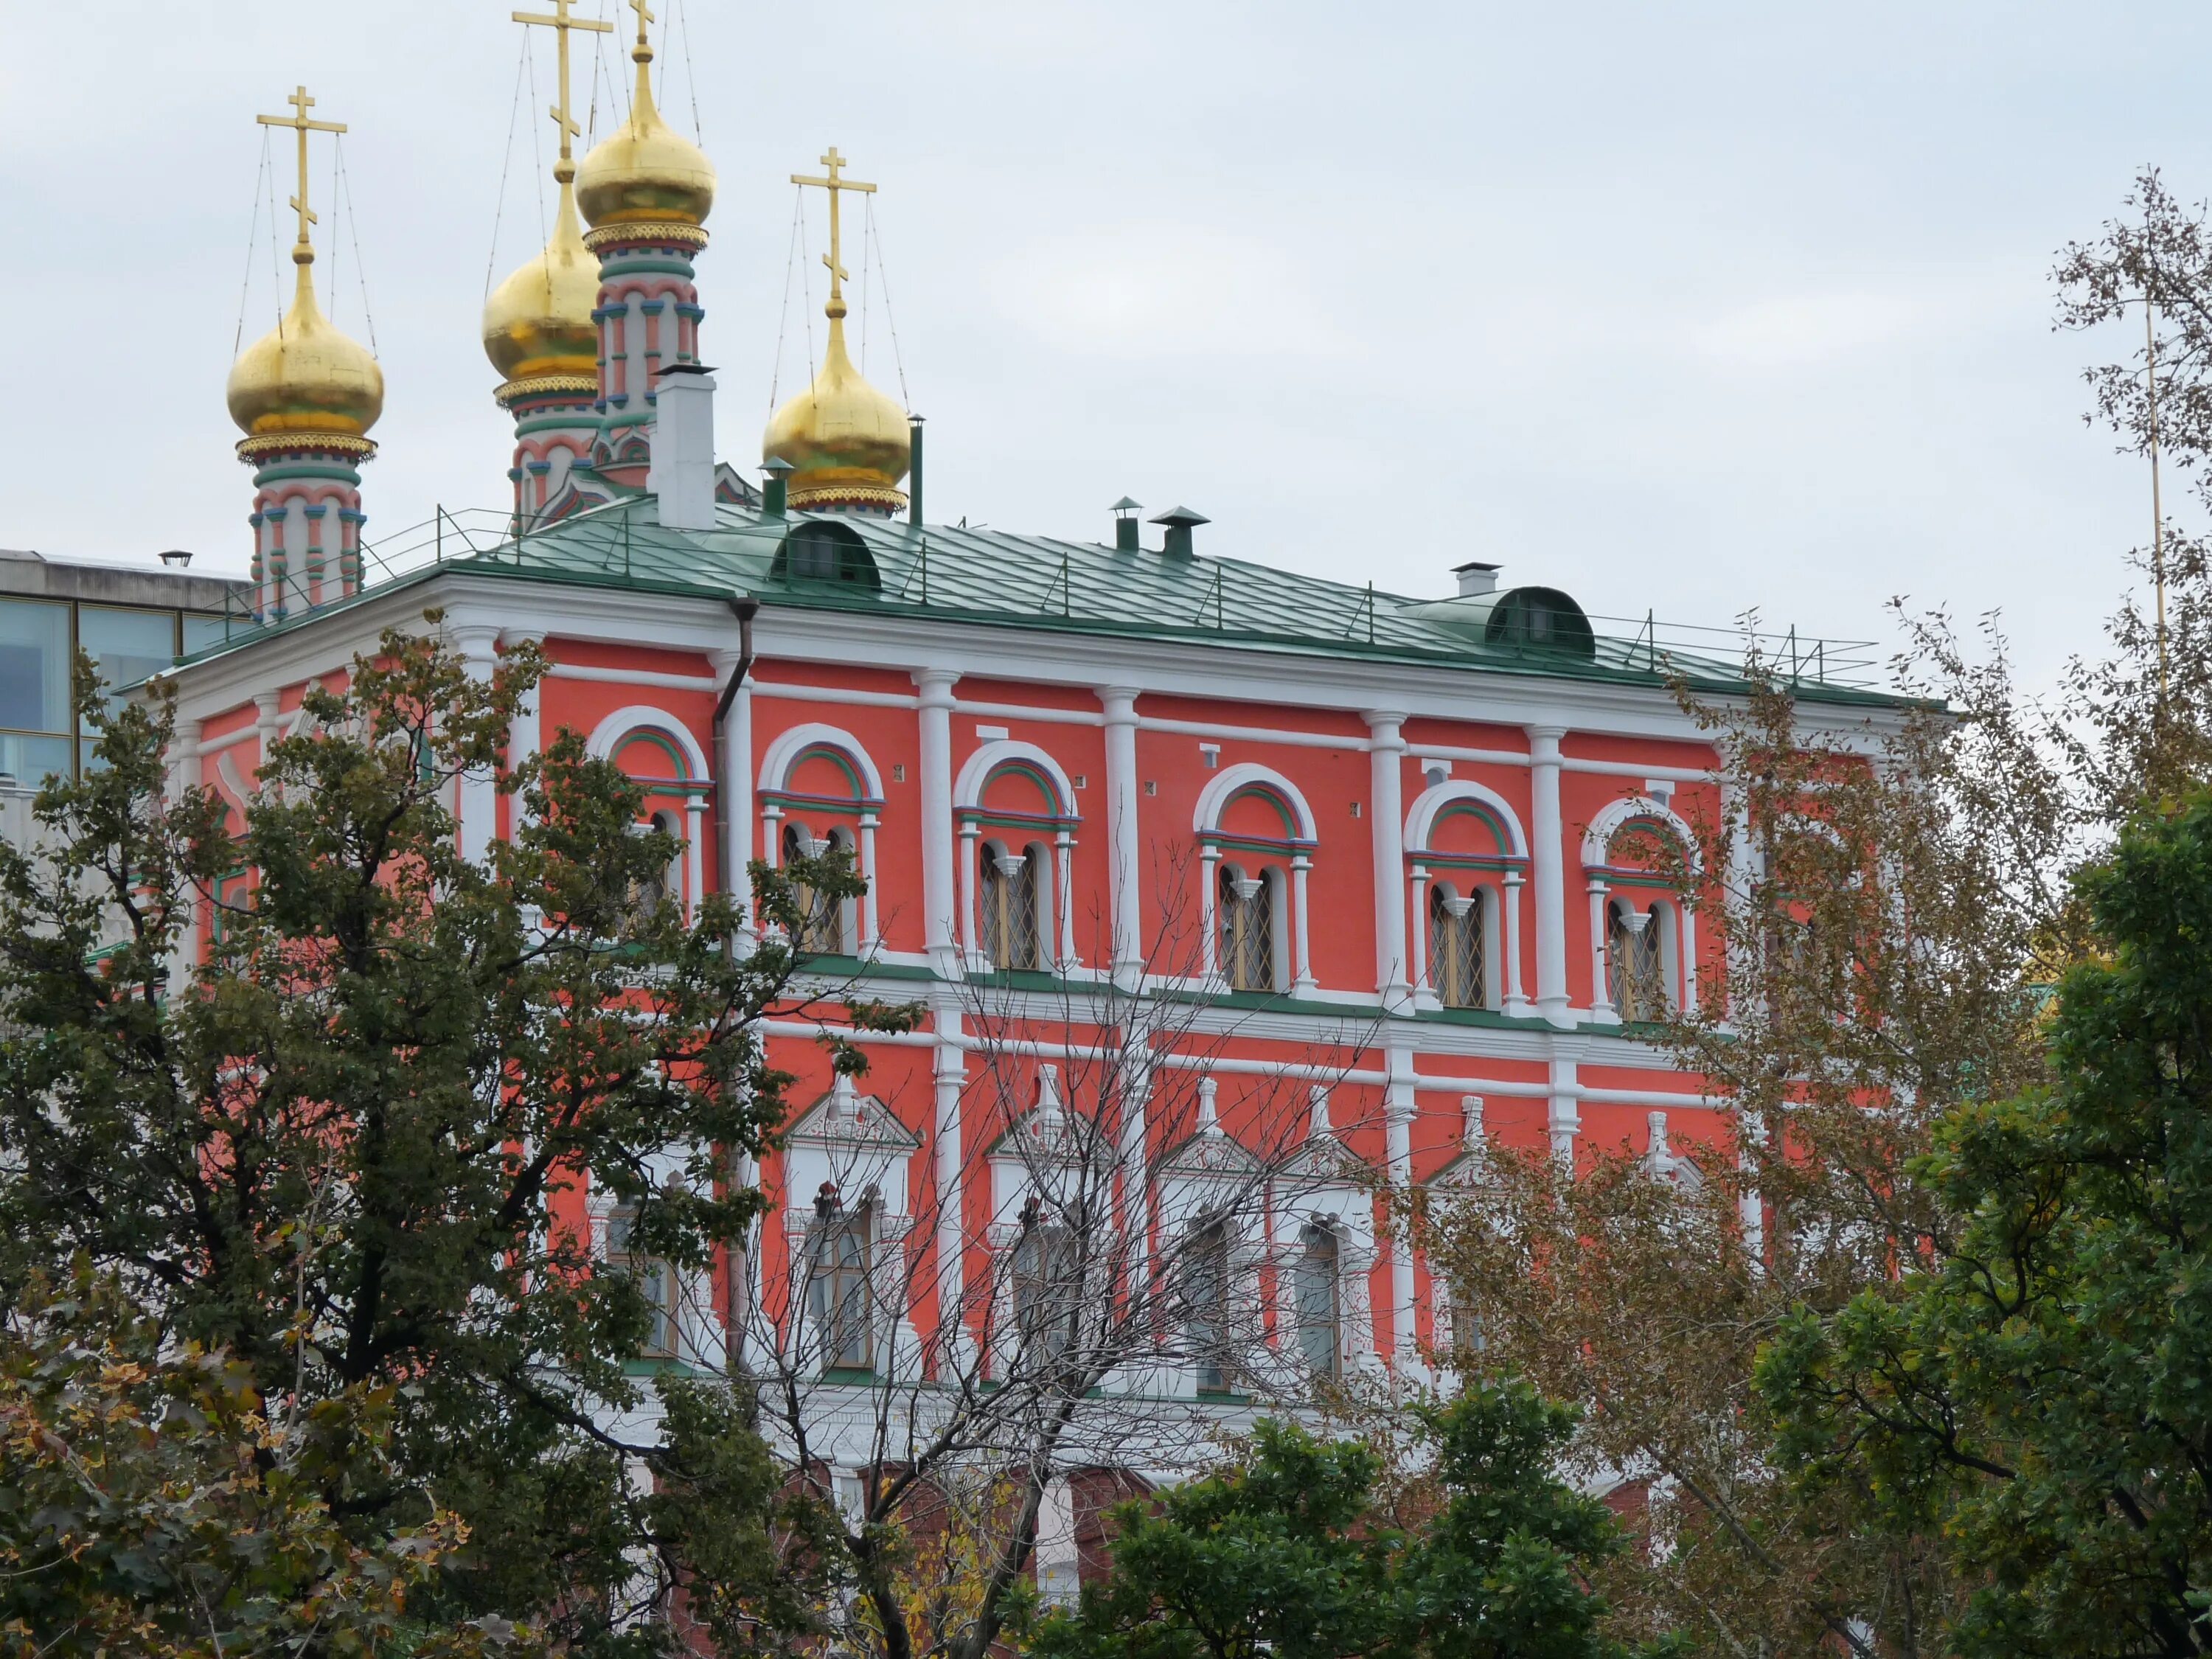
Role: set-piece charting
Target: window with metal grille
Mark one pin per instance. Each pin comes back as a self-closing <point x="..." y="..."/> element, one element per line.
<point x="822" y="933"/>
<point x="1012" y="937"/>
<point x="1635" y="954"/>
<point x="1246" y="905"/>
<point x="1456" y="949"/>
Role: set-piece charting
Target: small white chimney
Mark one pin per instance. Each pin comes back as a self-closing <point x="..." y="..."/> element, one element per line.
<point x="1476" y="580"/>
<point x="683" y="470"/>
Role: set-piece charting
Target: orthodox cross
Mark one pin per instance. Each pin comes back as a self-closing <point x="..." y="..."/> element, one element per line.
<point x="298" y="120"/>
<point x="836" y="182"/>
<point x="561" y="23"/>
<point x="644" y="22"/>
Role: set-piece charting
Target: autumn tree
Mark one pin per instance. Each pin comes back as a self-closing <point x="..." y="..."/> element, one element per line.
<point x="346" y="1149"/>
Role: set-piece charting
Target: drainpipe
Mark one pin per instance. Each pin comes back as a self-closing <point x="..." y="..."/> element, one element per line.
<point x="745" y="607"/>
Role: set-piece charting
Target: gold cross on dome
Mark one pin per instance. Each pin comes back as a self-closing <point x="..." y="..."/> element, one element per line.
<point x="836" y="182"/>
<point x="561" y="22"/>
<point x="644" y="19"/>
<point x="298" y="120"/>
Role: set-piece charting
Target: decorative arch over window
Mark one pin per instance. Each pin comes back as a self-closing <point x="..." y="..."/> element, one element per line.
<point x="657" y="751"/>
<point x="820" y="788"/>
<point x="1015" y="807"/>
<point x="1468" y="869"/>
<point x="1644" y="940"/>
<point x="1255" y="839"/>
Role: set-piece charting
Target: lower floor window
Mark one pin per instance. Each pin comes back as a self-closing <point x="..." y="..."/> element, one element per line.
<point x="1316" y="1293"/>
<point x="654" y="1279"/>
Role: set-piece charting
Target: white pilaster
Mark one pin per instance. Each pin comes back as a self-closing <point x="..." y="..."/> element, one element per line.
<point x="937" y="894"/>
<point x="1601" y="990"/>
<point x="1547" y="853"/>
<point x="185" y="772"/>
<point x="871" y="920"/>
<point x="1566" y="1111"/>
<point x="1398" y="1107"/>
<point x="950" y="1075"/>
<point x="1303" y="984"/>
<point x="525" y="737"/>
<point x="1387" y="767"/>
<point x="1124" y="835"/>
<point x="1063" y="897"/>
<point x="478" y="644"/>
<point x="1516" y="887"/>
<point x="1417" y="922"/>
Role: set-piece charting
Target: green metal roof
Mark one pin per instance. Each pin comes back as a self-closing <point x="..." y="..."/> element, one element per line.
<point x="990" y="577"/>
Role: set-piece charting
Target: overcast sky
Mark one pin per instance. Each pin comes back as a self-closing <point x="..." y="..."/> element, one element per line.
<point x="1689" y="308"/>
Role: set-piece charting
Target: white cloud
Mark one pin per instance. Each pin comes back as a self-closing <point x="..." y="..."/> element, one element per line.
<point x="1154" y="290"/>
<point x="1795" y="330"/>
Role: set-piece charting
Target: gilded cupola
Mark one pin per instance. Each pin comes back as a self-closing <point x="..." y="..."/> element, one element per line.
<point x="305" y="381"/>
<point x="645" y="174"/>
<point x="848" y="445"/>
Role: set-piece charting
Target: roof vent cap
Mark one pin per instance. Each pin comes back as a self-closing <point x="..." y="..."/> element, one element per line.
<point x="1179" y="523"/>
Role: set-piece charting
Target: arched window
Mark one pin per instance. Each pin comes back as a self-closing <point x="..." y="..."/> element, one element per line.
<point x="1636" y="958"/>
<point x="1247" y="908"/>
<point x="1206" y="1300"/>
<point x="1315" y="1293"/>
<point x="1456" y="965"/>
<point x="838" y="1296"/>
<point x="822" y="932"/>
<point x="653" y="1278"/>
<point x="1012" y="937"/>
<point x="649" y="891"/>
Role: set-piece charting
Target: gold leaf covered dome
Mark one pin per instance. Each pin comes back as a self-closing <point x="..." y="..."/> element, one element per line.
<point x="305" y="379"/>
<point x="537" y="326"/>
<point x="846" y="443"/>
<point x="645" y="173"/>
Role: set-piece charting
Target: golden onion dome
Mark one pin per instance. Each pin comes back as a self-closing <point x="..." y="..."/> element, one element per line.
<point x="846" y="443"/>
<point x="305" y="379"/>
<point x="538" y="324"/>
<point x="644" y="173"/>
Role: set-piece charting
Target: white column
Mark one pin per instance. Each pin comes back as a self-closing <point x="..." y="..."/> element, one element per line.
<point x="1137" y="1158"/>
<point x="736" y="782"/>
<point x="478" y="645"/>
<point x="1063" y="897"/>
<point x="1387" y="767"/>
<point x="1566" y="1111"/>
<point x="1547" y="853"/>
<point x="1398" y="1107"/>
<point x="950" y="1070"/>
<point x="1303" y="984"/>
<point x="694" y="855"/>
<point x="970" y="849"/>
<point x="937" y="894"/>
<point x="525" y="737"/>
<point x="1417" y="932"/>
<point x="1600" y="993"/>
<point x="1688" y="943"/>
<point x="1515" y="1001"/>
<point x="1209" y="915"/>
<point x="1124" y="835"/>
<point x="871" y="925"/>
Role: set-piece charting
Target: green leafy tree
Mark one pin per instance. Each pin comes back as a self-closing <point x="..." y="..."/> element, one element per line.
<point x="2042" y="1393"/>
<point x="340" y="1151"/>
<point x="148" y="1505"/>
<point x="1299" y="1550"/>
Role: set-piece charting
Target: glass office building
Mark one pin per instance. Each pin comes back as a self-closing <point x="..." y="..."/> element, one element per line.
<point x="131" y="621"/>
